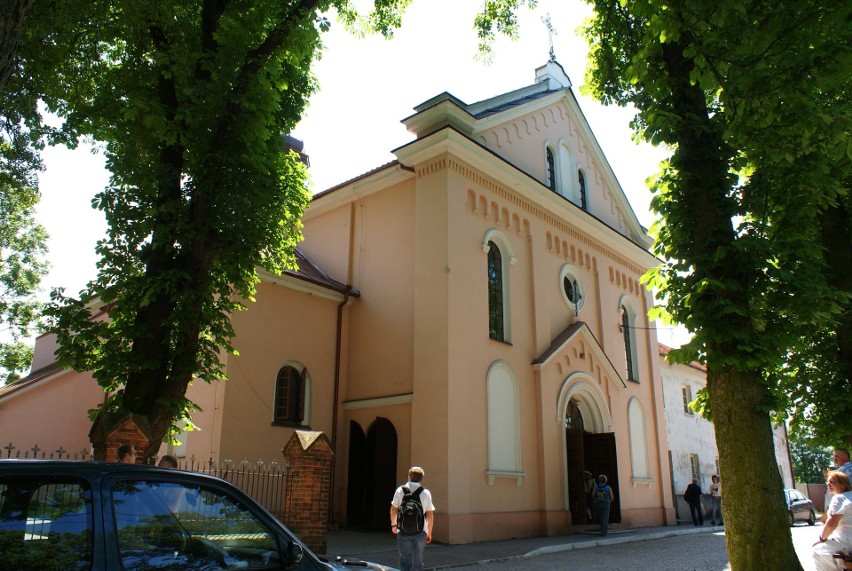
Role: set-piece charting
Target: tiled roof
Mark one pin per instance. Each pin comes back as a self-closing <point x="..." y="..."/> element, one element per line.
<point x="309" y="271"/>
<point x="665" y="349"/>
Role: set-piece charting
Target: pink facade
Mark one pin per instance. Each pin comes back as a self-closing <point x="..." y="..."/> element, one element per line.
<point x="492" y="329"/>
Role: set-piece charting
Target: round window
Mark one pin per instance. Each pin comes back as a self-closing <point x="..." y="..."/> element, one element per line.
<point x="572" y="288"/>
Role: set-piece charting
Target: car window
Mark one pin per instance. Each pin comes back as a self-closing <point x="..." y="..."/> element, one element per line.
<point x="45" y="523"/>
<point x="182" y="526"/>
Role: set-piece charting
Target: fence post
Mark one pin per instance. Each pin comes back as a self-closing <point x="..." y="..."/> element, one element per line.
<point x="309" y="455"/>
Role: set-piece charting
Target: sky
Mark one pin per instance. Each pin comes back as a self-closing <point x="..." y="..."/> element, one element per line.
<point x="367" y="86"/>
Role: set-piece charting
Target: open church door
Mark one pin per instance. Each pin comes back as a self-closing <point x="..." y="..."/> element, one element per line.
<point x="577" y="496"/>
<point x="601" y="458"/>
<point x="380" y="472"/>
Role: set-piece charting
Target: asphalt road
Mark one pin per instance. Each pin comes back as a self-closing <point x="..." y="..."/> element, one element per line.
<point x="698" y="552"/>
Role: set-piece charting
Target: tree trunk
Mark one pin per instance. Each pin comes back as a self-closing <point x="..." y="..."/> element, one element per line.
<point x="12" y="14"/>
<point x="757" y="532"/>
<point x="756" y="525"/>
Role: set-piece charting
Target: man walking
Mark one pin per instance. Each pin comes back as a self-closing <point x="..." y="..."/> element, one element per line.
<point x="692" y="495"/>
<point x="412" y="517"/>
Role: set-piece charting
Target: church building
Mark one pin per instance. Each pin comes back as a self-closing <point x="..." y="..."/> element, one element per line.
<point x="472" y="307"/>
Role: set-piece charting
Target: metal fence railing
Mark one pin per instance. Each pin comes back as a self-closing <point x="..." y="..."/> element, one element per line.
<point x="266" y="483"/>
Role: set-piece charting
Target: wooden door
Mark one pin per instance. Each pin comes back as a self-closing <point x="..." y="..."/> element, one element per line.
<point x="602" y="459"/>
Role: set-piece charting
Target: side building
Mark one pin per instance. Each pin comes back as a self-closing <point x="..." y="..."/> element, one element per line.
<point x="692" y="439"/>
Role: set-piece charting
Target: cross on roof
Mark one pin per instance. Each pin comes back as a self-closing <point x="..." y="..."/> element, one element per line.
<point x="551" y="31"/>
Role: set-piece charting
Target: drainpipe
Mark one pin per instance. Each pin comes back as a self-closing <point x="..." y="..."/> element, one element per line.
<point x="334" y="409"/>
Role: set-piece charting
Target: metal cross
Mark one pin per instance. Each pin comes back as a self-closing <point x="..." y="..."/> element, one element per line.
<point x="551" y="31"/>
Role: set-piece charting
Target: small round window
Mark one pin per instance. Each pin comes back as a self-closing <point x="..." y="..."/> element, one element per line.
<point x="572" y="288"/>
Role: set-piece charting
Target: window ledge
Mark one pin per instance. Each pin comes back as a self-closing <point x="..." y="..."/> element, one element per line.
<point x="290" y="424"/>
<point x="494" y="474"/>
<point x="642" y="482"/>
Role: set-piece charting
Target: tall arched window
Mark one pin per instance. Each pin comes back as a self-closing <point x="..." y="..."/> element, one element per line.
<point x="582" y="182"/>
<point x="496" y="322"/>
<point x="504" y="427"/>
<point x="291" y="394"/>
<point x="551" y="169"/>
<point x="638" y="441"/>
<point x="629" y="343"/>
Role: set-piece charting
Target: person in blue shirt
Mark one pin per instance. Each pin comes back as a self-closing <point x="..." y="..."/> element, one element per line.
<point x="603" y="496"/>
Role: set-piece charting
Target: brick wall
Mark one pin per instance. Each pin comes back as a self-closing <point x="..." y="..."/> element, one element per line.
<point x="309" y="456"/>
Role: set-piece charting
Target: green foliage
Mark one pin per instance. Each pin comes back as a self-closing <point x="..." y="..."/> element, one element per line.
<point x="22" y="241"/>
<point x="190" y="103"/>
<point x="752" y="99"/>
<point x="808" y="459"/>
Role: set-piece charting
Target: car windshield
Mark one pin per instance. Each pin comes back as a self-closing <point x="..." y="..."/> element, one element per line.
<point x="168" y="524"/>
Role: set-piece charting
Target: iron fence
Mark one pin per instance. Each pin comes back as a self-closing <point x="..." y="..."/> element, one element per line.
<point x="265" y="483"/>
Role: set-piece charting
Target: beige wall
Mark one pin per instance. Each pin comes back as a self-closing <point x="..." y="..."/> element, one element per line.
<point x="280" y="328"/>
<point x="421" y="327"/>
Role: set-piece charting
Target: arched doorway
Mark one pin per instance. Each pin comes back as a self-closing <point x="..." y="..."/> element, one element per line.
<point x="586" y="449"/>
<point x="371" y="474"/>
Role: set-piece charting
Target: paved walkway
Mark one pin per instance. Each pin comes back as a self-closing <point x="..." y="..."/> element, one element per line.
<point x="381" y="547"/>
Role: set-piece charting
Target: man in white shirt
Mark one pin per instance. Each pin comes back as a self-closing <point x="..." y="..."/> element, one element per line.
<point x="412" y="542"/>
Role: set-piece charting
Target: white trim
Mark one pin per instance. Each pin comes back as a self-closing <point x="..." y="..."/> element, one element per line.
<point x="494" y="474"/>
<point x="378" y="402"/>
<point x="499" y="238"/>
<point x="498" y="442"/>
<point x="448" y="141"/>
<point x="300" y="285"/>
<point x="564" y="271"/>
<point x="582" y="385"/>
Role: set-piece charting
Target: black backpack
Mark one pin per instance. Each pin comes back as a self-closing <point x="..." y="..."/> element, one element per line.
<point x="600" y="493"/>
<point x="410" y="519"/>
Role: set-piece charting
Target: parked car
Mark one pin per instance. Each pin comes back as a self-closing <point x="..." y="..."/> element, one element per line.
<point x="799" y="507"/>
<point x="104" y="516"/>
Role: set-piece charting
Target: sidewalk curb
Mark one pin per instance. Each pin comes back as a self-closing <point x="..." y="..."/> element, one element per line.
<point x="550" y="549"/>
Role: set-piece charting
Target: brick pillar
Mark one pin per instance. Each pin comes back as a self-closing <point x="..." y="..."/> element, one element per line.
<point x="309" y="456"/>
<point x="112" y="430"/>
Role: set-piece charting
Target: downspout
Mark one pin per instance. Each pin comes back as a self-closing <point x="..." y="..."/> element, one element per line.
<point x="335" y="407"/>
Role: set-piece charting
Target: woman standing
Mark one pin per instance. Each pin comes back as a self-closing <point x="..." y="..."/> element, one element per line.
<point x="604" y="497"/>
<point x="716" y="500"/>
<point x="836" y="534"/>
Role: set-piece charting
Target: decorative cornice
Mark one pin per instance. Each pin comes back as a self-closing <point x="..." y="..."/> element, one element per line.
<point x="378" y="402"/>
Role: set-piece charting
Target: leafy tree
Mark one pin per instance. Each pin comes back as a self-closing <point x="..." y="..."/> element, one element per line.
<point x="190" y="103"/>
<point x="750" y="96"/>
<point x="808" y="459"/>
<point x="22" y="241"/>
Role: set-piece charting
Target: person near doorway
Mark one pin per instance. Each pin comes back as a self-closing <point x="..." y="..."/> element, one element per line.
<point x="603" y="497"/>
<point x="412" y="517"/>
<point x="590" y="500"/>
<point x="126" y="454"/>
<point x="716" y="500"/>
<point x="692" y="495"/>
<point x="836" y="535"/>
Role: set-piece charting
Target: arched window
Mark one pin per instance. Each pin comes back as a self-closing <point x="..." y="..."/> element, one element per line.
<point x="499" y="257"/>
<point x="551" y="169"/>
<point x="638" y="443"/>
<point x="629" y="342"/>
<point x="291" y="394"/>
<point x="504" y="427"/>
<point x="496" y="323"/>
<point x="582" y="187"/>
